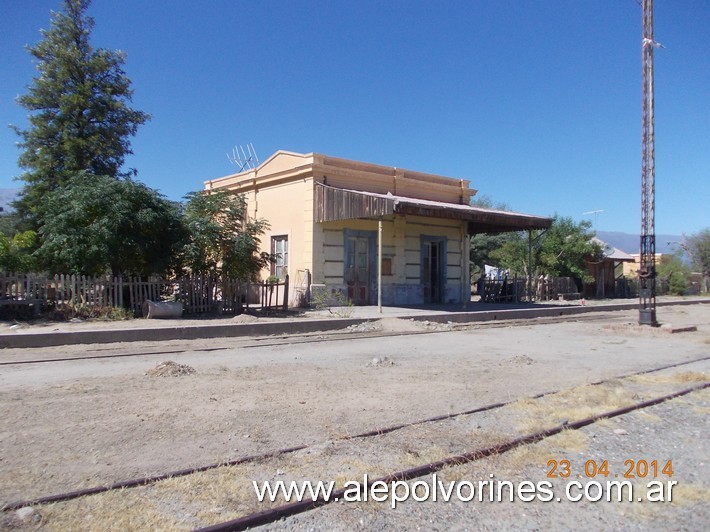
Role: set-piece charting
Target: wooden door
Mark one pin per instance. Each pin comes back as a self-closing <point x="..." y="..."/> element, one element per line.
<point x="358" y="270"/>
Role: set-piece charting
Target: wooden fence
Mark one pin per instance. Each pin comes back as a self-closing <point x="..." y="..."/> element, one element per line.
<point x="198" y="293"/>
<point x="515" y="289"/>
<point x="553" y="287"/>
<point x="504" y="290"/>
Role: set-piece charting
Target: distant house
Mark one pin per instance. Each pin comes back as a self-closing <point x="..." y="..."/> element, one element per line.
<point x="631" y="268"/>
<point x="364" y="229"/>
<point x="607" y="272"/>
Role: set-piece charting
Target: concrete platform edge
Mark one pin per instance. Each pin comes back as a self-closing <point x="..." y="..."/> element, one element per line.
<point x="201" y="332"/>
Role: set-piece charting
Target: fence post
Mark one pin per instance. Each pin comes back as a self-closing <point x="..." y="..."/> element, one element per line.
<point x="308" y="286"/>
<point x="285" y="305"/>
<point x="75" y="289"/>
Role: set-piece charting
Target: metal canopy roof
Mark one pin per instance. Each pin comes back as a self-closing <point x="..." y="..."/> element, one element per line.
<point x="334" y="204"/>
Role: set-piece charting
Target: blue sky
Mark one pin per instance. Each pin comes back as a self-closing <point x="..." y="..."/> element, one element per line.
<point x="538" y="103"/>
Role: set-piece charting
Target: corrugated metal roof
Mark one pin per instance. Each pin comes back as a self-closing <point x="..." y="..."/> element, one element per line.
<point x="342" y="204"/>
<point x="610" y="252"/>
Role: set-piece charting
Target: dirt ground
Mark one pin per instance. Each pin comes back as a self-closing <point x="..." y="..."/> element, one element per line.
<point x="70" y="425"/>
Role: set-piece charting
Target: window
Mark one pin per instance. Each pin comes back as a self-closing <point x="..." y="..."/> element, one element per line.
<point x="386" y="265"/>
<point x="279" y="249"/>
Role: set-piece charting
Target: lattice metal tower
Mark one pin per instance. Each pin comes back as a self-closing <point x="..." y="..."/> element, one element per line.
<point x="647" y="271"/>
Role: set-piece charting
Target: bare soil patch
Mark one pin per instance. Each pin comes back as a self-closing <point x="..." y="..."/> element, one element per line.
<point x="85" y="423"/>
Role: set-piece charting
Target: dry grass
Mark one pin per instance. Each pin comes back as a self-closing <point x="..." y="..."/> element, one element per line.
<point x="697" y="397"/>
<point x="224" y="487"/>
<point x="571" y="405"/>
<point x="258" y="433"/>
<point x="647" y="416"/>
<point x="512" y="464"/>
<point x="643" y="511"/>
<point x="114" y="510"/>
<point x="173" y="504"/>
<point x="471" y="472"/>
<point x="606" y="423"/>
<point x="686" y="376"/>
<point x="570" y="440"/>
<point x="416" y="457"/>
<point x="487" y="438"/>
<point x="338" y="433"/>
<point x="178" y="503"/>
<point x="356" y="468"/>
<point x="516" y="461"/>
<point x="690" y="494"/>
<point x="684" y="496"/>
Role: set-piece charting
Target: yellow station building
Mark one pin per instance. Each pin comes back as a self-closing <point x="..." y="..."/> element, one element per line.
<point x="375" y="233"/>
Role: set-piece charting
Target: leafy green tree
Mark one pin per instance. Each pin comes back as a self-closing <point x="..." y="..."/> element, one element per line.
<point x="222" y="240"/>
<point x="15" y="252"/>
<point x="698" y="246"/>
<point x="673" y="274"/>
<point x="561" y="251"/>
<point x="483" y="245"/>
<point x="80" y="118"/>
<point x="513" y="254"/>
<point x="566" y="246"/>
<point x="96" y="224"/>
<point x="11" y="223"/>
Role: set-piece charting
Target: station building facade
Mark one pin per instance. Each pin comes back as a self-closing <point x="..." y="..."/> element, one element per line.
<point x="373" y="233"/>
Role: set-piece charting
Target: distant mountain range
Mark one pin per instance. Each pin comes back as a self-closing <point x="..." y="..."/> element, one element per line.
<point x="631" y="243"/>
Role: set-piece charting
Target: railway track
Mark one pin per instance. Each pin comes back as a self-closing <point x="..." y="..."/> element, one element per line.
<point x="274" y="514"/>
<point x="294" y="508"/>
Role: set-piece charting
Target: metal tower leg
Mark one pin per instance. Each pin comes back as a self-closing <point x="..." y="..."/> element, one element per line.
<point x="647" y="271"/>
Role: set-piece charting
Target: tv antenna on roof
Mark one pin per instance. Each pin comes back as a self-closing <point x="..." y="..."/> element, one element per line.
<point x="244" y="159"/>
<point x="596" y="214"/>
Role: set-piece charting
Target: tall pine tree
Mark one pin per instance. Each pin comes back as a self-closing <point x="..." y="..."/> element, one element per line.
<point x="80" y="115"/>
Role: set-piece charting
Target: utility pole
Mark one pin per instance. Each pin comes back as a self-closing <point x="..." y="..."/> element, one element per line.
<point x="647" y="271"/>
